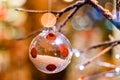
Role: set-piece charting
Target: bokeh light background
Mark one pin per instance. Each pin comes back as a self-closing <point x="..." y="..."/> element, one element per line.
<point x="87" y="27"/>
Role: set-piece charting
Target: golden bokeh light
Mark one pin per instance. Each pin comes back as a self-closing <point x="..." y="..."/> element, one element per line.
<point x="109" y="6"/>
<point x="68" y="0"/>
<point x="48" y="20"/>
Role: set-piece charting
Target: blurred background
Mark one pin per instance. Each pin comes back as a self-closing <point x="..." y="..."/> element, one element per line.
<point x="86" y="28"/>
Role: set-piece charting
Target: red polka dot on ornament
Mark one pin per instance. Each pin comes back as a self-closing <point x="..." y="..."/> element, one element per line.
<point x="33" y="52"/>
<point x="51" y="36"/>
<point x="63" y="50"/>
<point x="51" y="67"/>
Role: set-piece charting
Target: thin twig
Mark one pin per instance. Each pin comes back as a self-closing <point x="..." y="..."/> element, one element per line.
<point x="113" y="72"/>
<point x="32" y="34"/>
<point x="59" y="13"/>
<point x="113" y="39"/>
<point x="38" y="11"/>
<point x="99" y="54"/>
<point x="105" y="64"/>
<point x="108" y="43"/>
<point x="100" y="9"/>
<point x="77" y="4"/>
<point x="67" y="18"/>
<point x="104" y="12"/>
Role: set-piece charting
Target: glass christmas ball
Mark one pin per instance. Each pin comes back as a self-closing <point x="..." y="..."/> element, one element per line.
<point x="50" y="51"/>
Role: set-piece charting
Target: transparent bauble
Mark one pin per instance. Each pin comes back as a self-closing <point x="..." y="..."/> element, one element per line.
<point x="50" y="51"/>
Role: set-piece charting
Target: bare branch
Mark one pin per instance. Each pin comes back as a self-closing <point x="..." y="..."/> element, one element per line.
<point x="105" y="64"/>
<point x="113" y="72"/>
<point x="108" y="43"/>
<point x="77" y="4"/>
<point x="104" y="12"/>
<point x="37" y="11"/>
<point x="67" y="18"/>
<point x="99" y="54"/>
<point x="113" y="39"/>
<point x="100" y="9"/>
<point x="95" y="4"/>
<point x="32" y="34"/>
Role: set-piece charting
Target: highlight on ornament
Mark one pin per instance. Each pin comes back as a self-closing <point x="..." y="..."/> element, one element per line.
<point x="50" y="51"/>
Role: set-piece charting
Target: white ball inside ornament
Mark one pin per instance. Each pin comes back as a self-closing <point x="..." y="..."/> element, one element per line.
<point x="50" y="51"/>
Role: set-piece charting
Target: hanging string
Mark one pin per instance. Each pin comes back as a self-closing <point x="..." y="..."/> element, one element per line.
<point x="49" y="5"/>
<point x="51" y="17"/>
<point x="49" y="9"/>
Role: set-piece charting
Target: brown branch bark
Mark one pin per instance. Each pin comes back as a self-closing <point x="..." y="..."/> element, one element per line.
<point x="79" y="4"/>
<point x="105" y="64"/>
<point x="99" y="54"/>
<point x="37" y="11"/>
<point x="100" y="9"/>
<point x="76" y="6"/>
<point x="32" y="34"/>
<point x="108" y="43"/>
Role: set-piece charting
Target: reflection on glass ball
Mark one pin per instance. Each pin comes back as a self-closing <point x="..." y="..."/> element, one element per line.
<point x="50" y="51"/>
